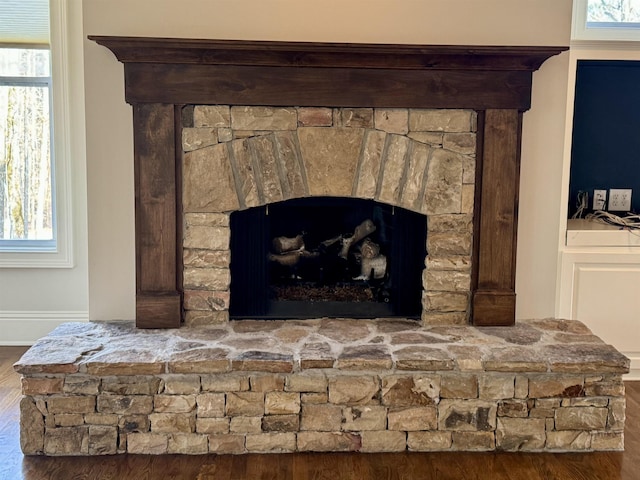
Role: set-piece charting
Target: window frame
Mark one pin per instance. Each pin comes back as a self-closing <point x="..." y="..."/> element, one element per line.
<point x="59" y="252"/>
<point x="601" y="31"/>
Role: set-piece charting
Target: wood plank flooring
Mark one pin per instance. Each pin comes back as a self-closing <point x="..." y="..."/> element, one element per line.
<point x="311" y="466"/>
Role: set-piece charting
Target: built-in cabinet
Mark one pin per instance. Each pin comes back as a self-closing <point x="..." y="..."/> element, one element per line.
<point x="599" y="265"/>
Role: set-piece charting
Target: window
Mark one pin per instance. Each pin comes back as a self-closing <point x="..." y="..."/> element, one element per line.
<point x="25" y="149"/>
<point x="606" y="20"/>
<point x="35" y="202"/>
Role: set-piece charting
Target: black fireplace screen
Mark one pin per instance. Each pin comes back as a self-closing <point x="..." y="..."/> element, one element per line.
<point x="326" y="257"/>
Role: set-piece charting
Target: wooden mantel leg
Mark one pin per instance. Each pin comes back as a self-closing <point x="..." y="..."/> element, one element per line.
<point x="494" y="298"/>
<point x="157" y="289"/>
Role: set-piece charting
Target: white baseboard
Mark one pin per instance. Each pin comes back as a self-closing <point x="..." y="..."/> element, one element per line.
<point x="25" y="328"/>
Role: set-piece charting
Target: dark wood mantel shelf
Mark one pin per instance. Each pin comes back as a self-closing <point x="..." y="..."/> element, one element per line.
<point x="164" y="74"/>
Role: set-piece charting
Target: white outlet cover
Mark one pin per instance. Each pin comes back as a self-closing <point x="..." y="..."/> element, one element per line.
<point x="620" y="199"/>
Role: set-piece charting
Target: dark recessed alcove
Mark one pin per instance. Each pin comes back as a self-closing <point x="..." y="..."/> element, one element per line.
<point x="327" y="256"/>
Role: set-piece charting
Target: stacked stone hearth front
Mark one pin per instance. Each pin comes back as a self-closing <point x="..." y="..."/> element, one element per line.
<point x="321" y="385"/>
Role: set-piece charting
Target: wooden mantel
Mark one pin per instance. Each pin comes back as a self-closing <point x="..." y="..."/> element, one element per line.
<point x="162" y="75"/>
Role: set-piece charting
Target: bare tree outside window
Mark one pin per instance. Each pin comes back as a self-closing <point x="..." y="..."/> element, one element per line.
<point x="26" y="206"/>
<point x="613" y="11"/>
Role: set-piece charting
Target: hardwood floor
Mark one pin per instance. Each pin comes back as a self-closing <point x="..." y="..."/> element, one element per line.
<point x="329" y="466"/>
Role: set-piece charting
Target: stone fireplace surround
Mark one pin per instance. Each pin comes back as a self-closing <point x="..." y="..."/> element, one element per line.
<point x="162" y="76"/>
<point x="234" y="387"/>
<point x="237" y="157"/>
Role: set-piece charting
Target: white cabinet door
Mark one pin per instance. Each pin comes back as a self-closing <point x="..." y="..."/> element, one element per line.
<point x="602" y="289"/>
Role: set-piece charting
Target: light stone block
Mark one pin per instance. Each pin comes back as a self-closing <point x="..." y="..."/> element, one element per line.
<point x="541" y="386"/>
<point x="353" y="390"/>
<point x="450" y="262"/>
<point x="443" y="193"/>
<point x="413" y="419"/>
<point x="392" y="120"/>
<point x="331" y="158"/>
<point x="581" y="418"/>
<point x="208" y="184"/>
<point x="147" y="443"/>
<point x="443" y="120"/>
<point x="448" y="244"/>
<point x="263" y="118"/>
<point x="272" y="442"/>
<point x="245" y="425"/>
<point x="42" y="386"/>
<point x="212" y="425"/>
<point x="442" y="302"/>
<point x="266" y="383"/>
<point x="384" y="441"/>
<point x="571" y="440"/>
<point x="364" y="418"/>
<point x="355" y="117"/>
<point x="174" y="403"/>
<point x="410" y="390"/>
<point x="293" y="178"/>
<point x="231" y="444"/>
<point x="496" y="386"/>
<point x="328" y="442"/>
<point x="211" y="116"/>
<point x="206" y="300"/>
<point x="188" y="444"/>
<point x="281" y="423"/>
<point x="464" y="143"/>
<point x="520" y="434"/>
<point x="207" y="278"/>
<point x="81" y="385"/>
<point x="225" y="383"/>
<point x="267" y="174"/>
<point x="446" y="280"/>
<point x="315" y="117"/>
<point x="321" y="417"/>
<point x="31" y="427"/>
<point x="245" y="404"/>
<point x="131" y="385"/>
<point x="207" y="238"/>
<point x="412" y="191"/>
<point x="433" y="139"/>
<point x="103" y="440"/>
<point x="246" y="175"/>
<point x="172" y="422"/>
<point x="68" y="419"/>
<point x="181" y="384"/>
<point x="306" y="382"/>
<point x="71" y="404"/>
<point x="473" y="441"/>
<point x="67" y="441"/>
<point x="195" y="138"/>
<point x="194" y="318"/>
<point x="428" y="441"/>
<point x="206" y="258"/>
<point x="394" y="163"/>
<point x="603" y="441"/>
<point x="281" y="403"/>
<point x="369" y="166"/>
<point x="459" y="386"/>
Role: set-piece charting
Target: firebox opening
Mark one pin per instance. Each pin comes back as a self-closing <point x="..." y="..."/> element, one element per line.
<point x="327" y="257"/>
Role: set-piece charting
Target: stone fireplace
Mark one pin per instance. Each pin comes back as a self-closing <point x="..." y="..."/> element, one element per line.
<point x="398" y="123"/>
<point x="228" y="133"/>
<point x="245" y="157"/>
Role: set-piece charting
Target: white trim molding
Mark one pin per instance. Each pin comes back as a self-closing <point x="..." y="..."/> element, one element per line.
<point x="26" y="327"/>
<point x="61" y="63"/>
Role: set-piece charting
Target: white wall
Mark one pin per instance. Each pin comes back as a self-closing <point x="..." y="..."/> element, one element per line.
<point x="497" y="22"/>
<point x="33" y="301"/>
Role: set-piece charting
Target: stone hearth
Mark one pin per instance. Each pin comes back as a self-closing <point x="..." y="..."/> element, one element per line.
<point x="321" y="385"/>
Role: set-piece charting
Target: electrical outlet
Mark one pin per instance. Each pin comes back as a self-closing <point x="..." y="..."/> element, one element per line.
<point x="620" y="199"/>
<point x="599" y="199"/>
